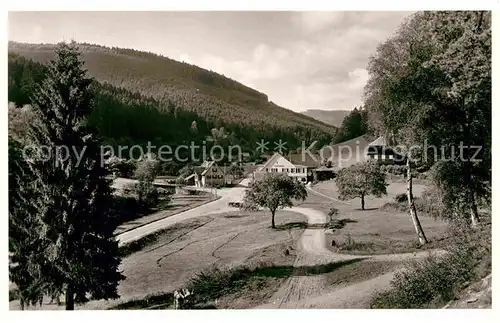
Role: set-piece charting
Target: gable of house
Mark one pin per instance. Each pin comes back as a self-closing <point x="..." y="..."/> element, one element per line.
<point x="279" y="164"/>
<point x="213" y="172"/>
<point x="276" y="161"/>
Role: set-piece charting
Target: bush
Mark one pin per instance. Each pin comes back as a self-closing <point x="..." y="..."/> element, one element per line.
<point x="121" y="167"/>
<point x="401" y="198"/>
<point x="193" y="192"/>
<point x="402" y="206"/>
<point x="180" y="181"/>
<point x="333" y="212"/>
<point x="127" y="208"/>
<point x="399" y="169"/>
<point x="146" y="193"/>
<point x="165" y="193"/>
<point x="437" y="280"/>
<point x="215" y="282"/>
<point x="153" y="300"/>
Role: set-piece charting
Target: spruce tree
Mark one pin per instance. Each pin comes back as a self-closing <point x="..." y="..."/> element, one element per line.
<point x="80" y="255"/>
<point x="24" y="238"/>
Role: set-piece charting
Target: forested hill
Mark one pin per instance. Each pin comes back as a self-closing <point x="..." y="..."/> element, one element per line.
<point x="171" y="86"/>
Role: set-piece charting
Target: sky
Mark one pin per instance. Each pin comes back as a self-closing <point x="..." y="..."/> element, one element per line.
<point x="301" y="60"/>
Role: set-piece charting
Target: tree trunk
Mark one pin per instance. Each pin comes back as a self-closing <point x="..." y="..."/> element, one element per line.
<point x="272" y="220"/>
<point x="411" y="203"/>
<point x="70" y="298"/>
<point x="474" y="214"/>
<point x="468" y="164"/>
<point x="363" y="202"/>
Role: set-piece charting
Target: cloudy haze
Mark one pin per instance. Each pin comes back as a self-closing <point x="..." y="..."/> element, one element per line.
<point x="301" y="60"/>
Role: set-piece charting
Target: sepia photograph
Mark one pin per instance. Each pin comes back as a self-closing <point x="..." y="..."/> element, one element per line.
<point x="180" y="160"/>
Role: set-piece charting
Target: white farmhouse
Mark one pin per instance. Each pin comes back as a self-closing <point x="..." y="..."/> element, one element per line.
<point x="279" y="164"/>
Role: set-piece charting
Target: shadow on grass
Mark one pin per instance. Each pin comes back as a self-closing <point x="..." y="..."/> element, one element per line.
<point x="367" y="209"/>
<point x="323" y="268"/>
<point x="139" y="244"/>
<point x="236" y="216"/>
<point x="292" y="225"/>
<point x="339" y="224"/>
<point x="287" y="271"/>
<point x="155" y="301"/>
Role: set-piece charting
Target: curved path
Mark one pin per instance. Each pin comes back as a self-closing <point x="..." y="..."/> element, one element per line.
<point x="217" y="206"/>
<point x="309" y="291"/>
<point x="298" y="291"/>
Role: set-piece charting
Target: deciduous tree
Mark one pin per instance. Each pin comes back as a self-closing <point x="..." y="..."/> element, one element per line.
<point x="147" y="169"/>
<point x="275" y="191"/>
<point x="432" y="81"/>
<point x="361" y="180"/>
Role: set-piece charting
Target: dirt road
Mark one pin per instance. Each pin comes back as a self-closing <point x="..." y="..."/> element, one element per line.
<point x="312" y="291"/>
<point x="298" y="291"/>
<point x="218" y="206"/>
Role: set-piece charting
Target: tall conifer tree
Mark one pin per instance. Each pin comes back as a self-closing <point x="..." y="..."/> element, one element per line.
<point x="80" y="255"/>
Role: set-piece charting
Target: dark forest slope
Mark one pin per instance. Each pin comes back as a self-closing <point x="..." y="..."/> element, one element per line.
<point x="209" y="95"/>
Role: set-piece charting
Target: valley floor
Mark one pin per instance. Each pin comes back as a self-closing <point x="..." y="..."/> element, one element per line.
<point x="322" y="276"/>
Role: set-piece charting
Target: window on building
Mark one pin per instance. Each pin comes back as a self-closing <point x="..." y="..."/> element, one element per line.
<point x="375" y="156"/>
<point x="214" y="170"/>
<point x="292" y="170"/>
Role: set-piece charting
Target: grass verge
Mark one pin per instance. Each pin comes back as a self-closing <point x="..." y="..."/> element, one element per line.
<point x="435" y="281"/>
<point x="178" y="229"/>
<point x="154" y="301"/>
<point x="13" y="295"/>
<point x="255" y="283"/>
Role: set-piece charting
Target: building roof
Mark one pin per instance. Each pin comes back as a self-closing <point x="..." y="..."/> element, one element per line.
<point x="380" y="141"/>
<point x="349" y="147"/>
<point x="206" y="165"/>
<point x="271" y="160"/>
<point x="306" y="160"/>
<point x="191" y="176"/>
<point x="296" y="161"/>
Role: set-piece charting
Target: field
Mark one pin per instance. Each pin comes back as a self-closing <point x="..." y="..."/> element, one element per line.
<point x="226" y="239"/>
<point x="295" y="266"/>
<point x="179" y="203"/>
<point x="374" y="231"/>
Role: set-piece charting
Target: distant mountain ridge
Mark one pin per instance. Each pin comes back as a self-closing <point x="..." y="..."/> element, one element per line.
<point x="331" y="117"/>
